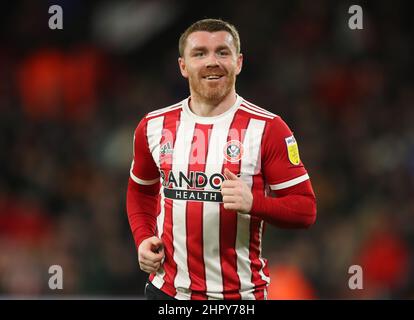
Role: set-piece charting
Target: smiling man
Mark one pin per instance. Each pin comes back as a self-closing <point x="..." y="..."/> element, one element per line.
<point x="207" y="173"/>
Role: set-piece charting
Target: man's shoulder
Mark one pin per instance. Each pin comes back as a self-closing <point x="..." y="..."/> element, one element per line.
<point x="156" y="117"/>
<point x="255" y="111"/>
<point x="274" y="124"/>
<point x="164" y="111"/>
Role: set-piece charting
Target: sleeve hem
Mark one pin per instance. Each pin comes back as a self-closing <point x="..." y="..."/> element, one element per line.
<point x="142" y="181"/>
<point x="289" y="183"/>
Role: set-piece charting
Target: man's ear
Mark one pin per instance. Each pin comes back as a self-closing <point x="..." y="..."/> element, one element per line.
<point x="183" y="67"/>
<point x="239" y="63"/>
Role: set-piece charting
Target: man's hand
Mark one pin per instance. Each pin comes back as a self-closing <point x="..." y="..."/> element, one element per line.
<point x="150" y="254"/>
<point x="236" y="194"/>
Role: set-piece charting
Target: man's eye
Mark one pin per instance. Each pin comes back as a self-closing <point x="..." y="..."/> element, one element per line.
<point x="223" y="53"/>
<point x="198" y="54"/>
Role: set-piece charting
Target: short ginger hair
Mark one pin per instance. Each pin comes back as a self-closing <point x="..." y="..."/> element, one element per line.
<point x="209" y="25"/>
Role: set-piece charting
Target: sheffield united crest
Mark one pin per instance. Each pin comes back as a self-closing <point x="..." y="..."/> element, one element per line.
<point x="233" y="151"/>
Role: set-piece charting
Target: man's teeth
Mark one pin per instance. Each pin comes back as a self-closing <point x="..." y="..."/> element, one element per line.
<point x="213" y="77"/>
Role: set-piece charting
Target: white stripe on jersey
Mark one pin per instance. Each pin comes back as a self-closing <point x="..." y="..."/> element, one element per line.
<point x="250" y="165"/>
<point x="160" y="217"/>
<point x="211" y="212"/>
<point x="153" y="132"/>
<point x="181" y="154"/>
<point x="154" y="135"/>
<point x="242" y="107"/>
<point x="264" y="277"/>
<point x="164" y="110"/>
<point x="259" y="109"/>
<point x="289" y="183"/>
<point x="268" y="114"/>
<point x="158" y="280"/>
<point x="243" y="259"/>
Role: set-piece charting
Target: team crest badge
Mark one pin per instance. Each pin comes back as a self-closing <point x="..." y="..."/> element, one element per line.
<point x="293" y="150"/>
<point x="166" y="149"/>
<point x="233" y="151"/>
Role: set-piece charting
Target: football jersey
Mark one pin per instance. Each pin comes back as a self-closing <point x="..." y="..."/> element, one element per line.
<point x="211" y="252"/>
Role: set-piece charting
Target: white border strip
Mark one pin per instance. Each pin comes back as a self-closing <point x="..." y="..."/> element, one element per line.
<point x="243" y="107"/>
<point x="250" y="165"/>
<point x="143" y="182"/>
<point x="180" y="159"/>
<point x="162" y="111"/>
<point x="289" y="183"/>
<point x="261" y="271"/>
<point x="258" y="109"/>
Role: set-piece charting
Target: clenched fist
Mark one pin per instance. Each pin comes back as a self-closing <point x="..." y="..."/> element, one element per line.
<point x="236" y="194"/>
<point x="151" y="254"/>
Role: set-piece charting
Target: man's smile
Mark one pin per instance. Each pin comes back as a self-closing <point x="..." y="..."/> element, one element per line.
<point x="213" y="77"/>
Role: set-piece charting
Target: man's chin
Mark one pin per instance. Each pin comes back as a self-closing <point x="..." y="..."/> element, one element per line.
<point x="214" y="96"/>
<point x="213" y="92"/>
<point x="216" y="92"/>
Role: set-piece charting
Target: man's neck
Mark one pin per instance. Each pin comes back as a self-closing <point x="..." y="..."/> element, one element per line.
<point x="205" y="108"/>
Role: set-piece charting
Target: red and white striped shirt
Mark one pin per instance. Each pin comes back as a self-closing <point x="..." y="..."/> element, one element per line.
<point x="211" y="252"/>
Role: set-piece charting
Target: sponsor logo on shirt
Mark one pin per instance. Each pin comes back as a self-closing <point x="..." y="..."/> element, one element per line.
<point x="193" y="195"/>
<point x="194" y="186"/>
<point x="293" y="150"/>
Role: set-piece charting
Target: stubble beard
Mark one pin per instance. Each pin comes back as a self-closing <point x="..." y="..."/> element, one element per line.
<point x="212" y="93"/>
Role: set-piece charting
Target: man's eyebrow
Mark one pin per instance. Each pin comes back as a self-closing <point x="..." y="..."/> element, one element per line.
<point x="199" y="48"/>
<point x="203" y="48"/>
<point x="223" y="47"/>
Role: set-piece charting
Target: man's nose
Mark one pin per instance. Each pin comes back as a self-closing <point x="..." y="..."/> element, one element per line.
<point x="212" y="61"/>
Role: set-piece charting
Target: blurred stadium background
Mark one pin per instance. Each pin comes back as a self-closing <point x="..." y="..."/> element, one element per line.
<point x="70" y="100"/>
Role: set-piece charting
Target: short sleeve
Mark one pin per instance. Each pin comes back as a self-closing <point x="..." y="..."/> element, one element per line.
<point x="281" y="163"/>
<point x="143" y="171"/>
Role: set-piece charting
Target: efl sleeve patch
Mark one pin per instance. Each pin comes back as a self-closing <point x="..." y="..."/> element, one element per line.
<point x="293" y="150"/>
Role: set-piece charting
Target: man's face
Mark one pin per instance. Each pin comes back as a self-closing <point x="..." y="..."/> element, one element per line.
<point x="211" y="64"/>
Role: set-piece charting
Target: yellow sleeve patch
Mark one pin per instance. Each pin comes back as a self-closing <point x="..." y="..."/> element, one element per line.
<point x="293" y="150"/>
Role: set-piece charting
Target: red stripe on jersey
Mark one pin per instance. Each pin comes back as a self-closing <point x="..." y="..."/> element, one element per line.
<point x="255" y="246"/>
<point x="259" y="294"/>
<point x="228" y="219"/>
<point x="258" y="184"/>
<point x="194" y="215"/>
<point x="171" y="122"/>
<point x="152" y="275"/>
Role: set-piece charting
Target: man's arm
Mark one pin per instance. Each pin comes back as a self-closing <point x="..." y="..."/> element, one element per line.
<point x="142" y="202"/>
<point x="294" y="207"/>
<point x="142" y="208"/>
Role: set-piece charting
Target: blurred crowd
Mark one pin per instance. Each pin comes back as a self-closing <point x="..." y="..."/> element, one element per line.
<point x="70" y="100"/>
